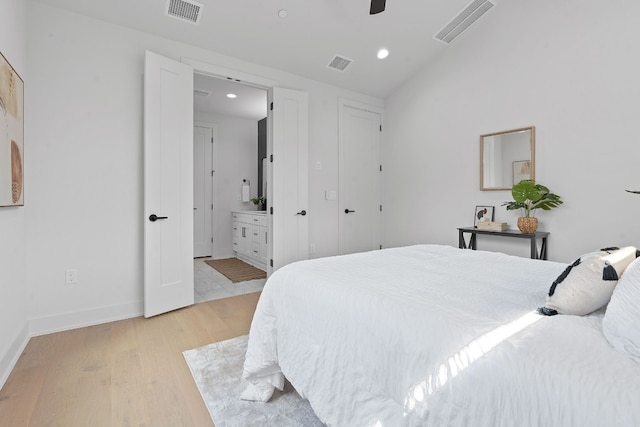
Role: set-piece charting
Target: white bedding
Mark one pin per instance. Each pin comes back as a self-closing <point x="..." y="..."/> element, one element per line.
<point x="435" y="335"/>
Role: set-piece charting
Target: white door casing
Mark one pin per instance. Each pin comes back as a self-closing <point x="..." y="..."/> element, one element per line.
<point x="289" y="194"/>
<point x="168" y="185"/>
<point x="360" y="165"/>
<point x="203" y="190"/>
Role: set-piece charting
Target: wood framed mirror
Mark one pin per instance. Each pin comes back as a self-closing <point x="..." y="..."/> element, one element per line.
<point x="506" y="158"/>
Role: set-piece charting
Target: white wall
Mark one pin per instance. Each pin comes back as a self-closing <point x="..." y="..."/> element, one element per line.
<point x="85" y="175"/>
<point x="235" y="159"/>
<point x="13" y="294"/>
<point x="571" y="69"/>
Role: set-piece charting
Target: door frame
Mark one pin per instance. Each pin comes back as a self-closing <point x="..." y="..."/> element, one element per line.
<point x="342" y="104"/>
<point x="248" y="79"/>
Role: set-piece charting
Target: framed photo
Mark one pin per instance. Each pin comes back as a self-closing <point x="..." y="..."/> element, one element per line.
<point x="11" y="135"/>
<point x="521" y="170"/>
<point x="483" y="213"/>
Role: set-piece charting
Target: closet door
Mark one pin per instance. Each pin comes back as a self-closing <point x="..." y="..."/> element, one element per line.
<point x="360" y="138"/>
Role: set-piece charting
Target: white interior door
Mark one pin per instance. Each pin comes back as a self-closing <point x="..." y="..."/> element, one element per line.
<point x="168" y="185"/>
<point x="359" y="183"/>
<point x="202" y="191"/>
<point x="289" y="194"/>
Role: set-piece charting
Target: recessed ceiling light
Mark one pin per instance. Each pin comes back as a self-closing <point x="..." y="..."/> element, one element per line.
<point x="282" y="13"/>
<point x="231" y="95"/>
<point x="383" y="53"/>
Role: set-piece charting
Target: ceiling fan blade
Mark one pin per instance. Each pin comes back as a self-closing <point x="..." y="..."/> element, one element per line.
<point x="377" y="6"/>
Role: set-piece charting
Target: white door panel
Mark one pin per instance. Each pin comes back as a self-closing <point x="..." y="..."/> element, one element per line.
<point x="168" y="185"/>
<point x="289" y="192"/>
<point x="360" y="163"/>
<point x="202" y="191"/>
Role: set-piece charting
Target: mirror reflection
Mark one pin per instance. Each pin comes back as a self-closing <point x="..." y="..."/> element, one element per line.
<point x="506" y="158"/>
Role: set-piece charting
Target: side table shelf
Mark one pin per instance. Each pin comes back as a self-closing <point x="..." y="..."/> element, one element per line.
<point x="533" y="239"/>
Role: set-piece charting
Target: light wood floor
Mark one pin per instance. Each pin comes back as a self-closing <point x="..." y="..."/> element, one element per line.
<point x="125" y="373"/>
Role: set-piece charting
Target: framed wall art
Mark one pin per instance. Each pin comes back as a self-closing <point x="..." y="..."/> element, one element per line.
<point x="521" y="170"/>
<point x="483" y="213"/>
<point x="11" y="136"/>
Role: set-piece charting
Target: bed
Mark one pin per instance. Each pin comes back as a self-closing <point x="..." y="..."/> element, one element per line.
<point x="431" y="335"/>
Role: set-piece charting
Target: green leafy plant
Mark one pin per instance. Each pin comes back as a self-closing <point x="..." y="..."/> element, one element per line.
<point x="258" y="201"/>
<point x="529" y="196"/>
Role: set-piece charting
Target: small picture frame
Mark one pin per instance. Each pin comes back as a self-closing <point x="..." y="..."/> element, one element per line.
<point x="483" y="213"/>
<point x="521" y="170"/>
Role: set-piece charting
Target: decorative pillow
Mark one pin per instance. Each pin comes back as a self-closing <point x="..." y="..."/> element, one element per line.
<point x="587" y="284"/>
<point x="621" y="322"/>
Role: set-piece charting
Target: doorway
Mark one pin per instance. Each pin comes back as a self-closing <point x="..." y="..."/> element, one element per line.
<point x="288" y="133"/>
<point x="228" y="153"/>
<point x="234" y="123"/>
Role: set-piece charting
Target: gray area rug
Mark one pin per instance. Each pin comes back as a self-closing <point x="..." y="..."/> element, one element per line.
<point x="217" y="370"/>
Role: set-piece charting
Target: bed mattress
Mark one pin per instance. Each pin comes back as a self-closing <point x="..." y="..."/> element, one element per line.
<point x="439" y="336"/>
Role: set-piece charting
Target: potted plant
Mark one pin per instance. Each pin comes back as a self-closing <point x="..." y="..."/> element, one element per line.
<point x="529" y="196"/>
<point x="259" y="202"/>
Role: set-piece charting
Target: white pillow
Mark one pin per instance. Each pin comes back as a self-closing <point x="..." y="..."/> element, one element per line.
<point x="621" y="322"/>
<point x="588" y="283"/>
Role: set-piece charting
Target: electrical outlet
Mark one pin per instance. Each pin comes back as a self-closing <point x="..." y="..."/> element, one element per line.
<point x="71" y="276"/>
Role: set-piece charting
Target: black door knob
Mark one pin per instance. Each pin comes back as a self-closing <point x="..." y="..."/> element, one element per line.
<point x="154" y="217"/>
<point x="347" y="211"/>
<point x="303" y="213"/>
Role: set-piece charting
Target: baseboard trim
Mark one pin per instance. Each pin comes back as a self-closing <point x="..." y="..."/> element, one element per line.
<point x="10" y="358"/>
<point x="83" y="318"/>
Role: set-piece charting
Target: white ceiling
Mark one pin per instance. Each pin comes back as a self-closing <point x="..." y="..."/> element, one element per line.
<point x="304" y="42"/>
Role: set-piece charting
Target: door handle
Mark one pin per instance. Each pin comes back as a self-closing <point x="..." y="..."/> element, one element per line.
<point x="348" y="211"/>
<point x="303" y="213"/>
<point x="154" y="217"/>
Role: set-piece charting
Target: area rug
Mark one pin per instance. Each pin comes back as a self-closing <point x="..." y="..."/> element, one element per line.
<point x="236" y="270"/>
<point x="217" y="370"/>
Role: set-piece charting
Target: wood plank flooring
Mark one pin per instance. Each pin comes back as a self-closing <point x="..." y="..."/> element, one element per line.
<point x="125" y="373"/>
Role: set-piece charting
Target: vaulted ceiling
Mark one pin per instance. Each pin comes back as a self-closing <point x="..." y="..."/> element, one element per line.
<point x="305" y="41"/>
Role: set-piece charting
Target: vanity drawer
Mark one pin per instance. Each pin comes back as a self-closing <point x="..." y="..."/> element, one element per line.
<point x="259" y="219"/>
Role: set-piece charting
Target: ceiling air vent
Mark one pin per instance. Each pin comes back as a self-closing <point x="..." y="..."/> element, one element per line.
<point x="185" y="10"/>
<point x="202" y="93"/>
<point x="463" y="20"/>
<point x="339" y="63"/>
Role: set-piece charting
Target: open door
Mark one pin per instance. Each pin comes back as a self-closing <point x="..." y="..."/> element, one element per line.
<point x="290" y="177"/>
<point x="168" y="185"/>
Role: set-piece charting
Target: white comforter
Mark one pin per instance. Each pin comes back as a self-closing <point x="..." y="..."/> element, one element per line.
<point x="434" y="335"/>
